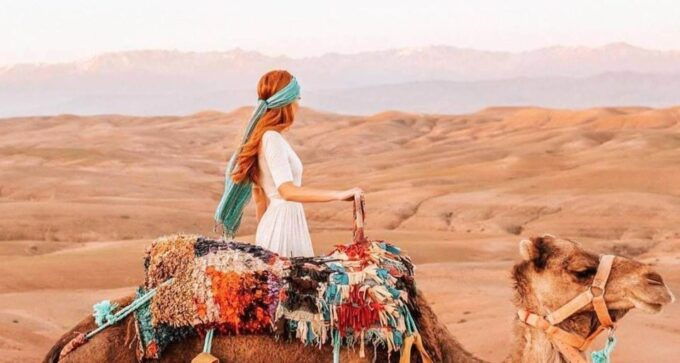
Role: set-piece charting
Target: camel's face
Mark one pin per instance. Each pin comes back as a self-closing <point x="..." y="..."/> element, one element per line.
<point x="556" y="270"/>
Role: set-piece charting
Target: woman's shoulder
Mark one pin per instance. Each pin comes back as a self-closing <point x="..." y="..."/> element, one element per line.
<point x="273" y="136"/>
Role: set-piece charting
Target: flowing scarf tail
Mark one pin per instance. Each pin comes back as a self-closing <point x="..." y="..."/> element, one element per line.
<point x="229" y="211"/>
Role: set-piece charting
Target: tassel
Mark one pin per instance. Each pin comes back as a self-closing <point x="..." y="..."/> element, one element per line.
<point x="103" y="312"/>
<point x="604" y="355"/>
<point x="362" y="352"/>
<point x="229" y="211"/>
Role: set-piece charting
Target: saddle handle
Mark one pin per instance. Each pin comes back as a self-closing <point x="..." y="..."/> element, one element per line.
<point x="359" y="209"/>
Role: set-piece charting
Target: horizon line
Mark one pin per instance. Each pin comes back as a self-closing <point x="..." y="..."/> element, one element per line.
<point x="269" y="55"/>
<point x="245" y="108"/>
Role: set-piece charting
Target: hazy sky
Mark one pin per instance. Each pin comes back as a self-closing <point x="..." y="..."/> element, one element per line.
<point x="49" y="31"/>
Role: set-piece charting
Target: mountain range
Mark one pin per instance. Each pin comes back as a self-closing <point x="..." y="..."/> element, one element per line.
<point x="435" y="79"/>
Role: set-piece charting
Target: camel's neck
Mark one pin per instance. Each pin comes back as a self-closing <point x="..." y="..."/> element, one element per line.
<point x="533" y="345"/>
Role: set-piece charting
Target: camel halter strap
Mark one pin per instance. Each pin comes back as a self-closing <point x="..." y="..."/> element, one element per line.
<point x="570" y="344"/>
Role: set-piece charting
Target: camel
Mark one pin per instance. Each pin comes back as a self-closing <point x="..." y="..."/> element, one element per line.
<point x="551" y="273"/>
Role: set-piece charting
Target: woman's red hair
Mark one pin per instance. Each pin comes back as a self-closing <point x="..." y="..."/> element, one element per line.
<point x="277" y="119"/>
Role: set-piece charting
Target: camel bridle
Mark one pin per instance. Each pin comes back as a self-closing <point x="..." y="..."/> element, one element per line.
<point x="570" y="344"/>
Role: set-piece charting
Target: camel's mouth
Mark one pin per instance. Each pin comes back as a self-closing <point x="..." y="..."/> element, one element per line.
<point x="646" y="306"/>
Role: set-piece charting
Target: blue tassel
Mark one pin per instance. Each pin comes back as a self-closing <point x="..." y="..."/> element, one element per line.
<point x="332" y="294"/>
<point x="310" y="333"/>
<point x="292" y="325"/>
<point x="382" y="273"/>
<point x="397" y="338"/>
<point x="340" y="278"/>
<point x="604" y="355"/>
<point x="103" y="312"/>
<point x="391" y="321"/>
<point x="408" y="318"/>
<point x="334" y="266"/>
<point x="390" y="248"/>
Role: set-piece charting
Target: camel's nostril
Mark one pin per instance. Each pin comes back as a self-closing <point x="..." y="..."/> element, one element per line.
<point x="654" y="278"/>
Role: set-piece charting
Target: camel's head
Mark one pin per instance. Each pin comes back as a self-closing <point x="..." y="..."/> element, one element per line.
<point x="554" y="271"/>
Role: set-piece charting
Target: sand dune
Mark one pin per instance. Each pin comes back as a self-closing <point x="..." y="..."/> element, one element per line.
<point x="80" y="197"/>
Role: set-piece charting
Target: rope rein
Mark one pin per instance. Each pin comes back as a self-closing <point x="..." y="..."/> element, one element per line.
<point x="604" y="355"/>
<point x="82" y="338"/>
<point x="207" y="345"/>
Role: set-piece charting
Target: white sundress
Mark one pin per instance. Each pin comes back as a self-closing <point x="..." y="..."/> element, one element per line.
<point x="283" y="227"/>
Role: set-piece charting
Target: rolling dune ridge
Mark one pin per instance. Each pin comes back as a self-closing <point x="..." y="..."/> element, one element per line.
<point x="80" y="197"/>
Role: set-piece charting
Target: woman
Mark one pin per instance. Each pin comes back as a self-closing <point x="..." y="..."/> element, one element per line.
<point x="268" y="167"/>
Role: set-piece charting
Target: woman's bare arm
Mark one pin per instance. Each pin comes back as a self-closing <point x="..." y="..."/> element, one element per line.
<point x="294" y="193"/>
<point x="260" y="201"/>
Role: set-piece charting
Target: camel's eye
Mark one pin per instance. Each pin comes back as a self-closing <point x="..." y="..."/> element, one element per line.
<point x="584" y="273"/>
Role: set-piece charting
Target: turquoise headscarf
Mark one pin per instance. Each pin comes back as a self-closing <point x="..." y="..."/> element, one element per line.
<point x="237" y="195"/>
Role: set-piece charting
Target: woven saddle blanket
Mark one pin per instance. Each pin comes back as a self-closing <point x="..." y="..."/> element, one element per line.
<point x="358" y="294"/>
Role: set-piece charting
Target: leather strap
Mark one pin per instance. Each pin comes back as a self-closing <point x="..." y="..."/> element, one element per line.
<point x="406" y="349"/>
<point x="570" y="353"/>
<point x="598" y="290"/>
<point x="409" y="341"/>
<point x="424" y="357"/>
<point x="359" y="206"/>
<point x="594" y="295"/>
<point x="553" y="331"/>
<point x="589" y="339"/>
<point x="604" y="269"/>
<point x="570" y="308"/>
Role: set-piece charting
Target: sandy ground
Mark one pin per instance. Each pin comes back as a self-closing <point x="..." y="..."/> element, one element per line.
<point x="81" y="197"/>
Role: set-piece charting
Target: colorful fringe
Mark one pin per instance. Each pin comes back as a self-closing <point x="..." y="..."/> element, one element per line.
<point x="360" y="293"/>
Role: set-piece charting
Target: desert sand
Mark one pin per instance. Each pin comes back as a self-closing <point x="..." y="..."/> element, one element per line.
<point x="81" y="197"/>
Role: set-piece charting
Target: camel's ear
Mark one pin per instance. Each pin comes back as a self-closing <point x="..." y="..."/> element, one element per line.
<point x="537" y="250"/>
<point x="526" y="249"/>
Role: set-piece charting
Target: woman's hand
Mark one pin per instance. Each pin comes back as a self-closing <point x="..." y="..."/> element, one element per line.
<point x="349" y="193"/>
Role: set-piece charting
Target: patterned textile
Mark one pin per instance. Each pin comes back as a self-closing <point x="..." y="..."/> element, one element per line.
<point x="360" y="293"/>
